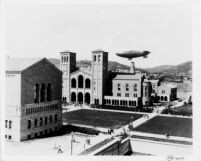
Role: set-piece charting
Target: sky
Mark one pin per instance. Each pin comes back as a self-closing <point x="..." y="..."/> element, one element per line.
<point x="44" y="30"/>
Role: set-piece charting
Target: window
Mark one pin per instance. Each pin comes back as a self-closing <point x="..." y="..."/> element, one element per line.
<point x="45" y="120"/>
<point x="29" y="124"/>
<point x="36" y="93"/>
<point x="135" y="87"/>
<point x="42" y="93"/>
<point x="119" y="86"/>
<point x="49" y="91"/>
<point x="99" y="58"/>
<point x="36" y="135"/>
<point x="10" y="124"/>
<point x="9" y="137"/>
<point x="127" y="87"/>
<point x="50" y="119"/>
<point x="163" y="91"/>
<point x="41" y="133"/>
<point x="135" y="95"/>
<point x="94" y="58"/>
<point x="29" y="136"/>
<point x="6" y="123"/>
<point x="126" y="94"/>
<point x="41" y="121"/>
<point x="55" y="118"/>
<point x="35" y="122"/>
<point x="118" y="94"/>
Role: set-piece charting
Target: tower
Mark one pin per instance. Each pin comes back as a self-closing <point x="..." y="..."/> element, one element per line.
<point x="99" y="75"/>
<point x="67" y="66"/>
<point x="146" y="96"/>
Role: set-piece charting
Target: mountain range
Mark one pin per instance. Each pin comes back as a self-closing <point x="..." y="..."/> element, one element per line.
<point x="185" y="67"/>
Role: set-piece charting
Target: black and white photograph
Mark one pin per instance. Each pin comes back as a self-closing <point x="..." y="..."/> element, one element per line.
<point x="100" y="78"/>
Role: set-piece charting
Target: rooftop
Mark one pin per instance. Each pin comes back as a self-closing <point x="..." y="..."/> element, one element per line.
<point x="127" y="77"/>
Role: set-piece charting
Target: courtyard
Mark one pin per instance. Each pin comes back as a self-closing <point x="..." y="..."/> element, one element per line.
<point x="97" y="118"/>
<point x="175" y="126"/>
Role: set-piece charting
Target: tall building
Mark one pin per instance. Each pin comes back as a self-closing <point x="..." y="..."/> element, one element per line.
<point x="33" y="98"/>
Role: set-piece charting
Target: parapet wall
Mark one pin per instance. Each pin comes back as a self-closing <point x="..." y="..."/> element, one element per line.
<point x="116" y="147"/>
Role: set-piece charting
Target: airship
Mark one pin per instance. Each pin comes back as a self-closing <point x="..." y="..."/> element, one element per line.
<point x="133" y="54"/>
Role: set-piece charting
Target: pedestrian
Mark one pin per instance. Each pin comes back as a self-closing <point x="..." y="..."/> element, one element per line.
<point x="59" y="150"/>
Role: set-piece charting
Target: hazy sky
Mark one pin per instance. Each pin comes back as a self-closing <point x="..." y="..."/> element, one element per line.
<point x="34" y="30"/>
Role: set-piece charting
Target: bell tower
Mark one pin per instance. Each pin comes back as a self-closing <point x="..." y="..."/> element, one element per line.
<point x="67" y="66"/>
<point x="99" y="75"/>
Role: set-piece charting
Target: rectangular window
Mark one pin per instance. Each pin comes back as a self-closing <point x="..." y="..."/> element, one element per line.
<point x="45" y="120"/>
<point x="55" y="118"/>
<point x="118" y="94"/>
<point x="50" y="119"/>
<point x="10" y="124"/>
<point x="35" y="122"/>
<point x="127" y="87"/>
<point x="6" y="123"/>
<point x="29" y="124"/>
<point x="6" y="136"/>
<point x="9" y="137"/>
<point x="119" y="87"/>
<point x="41" y="121"/>
<point x="135" y="87"/>
<point x="127" y="95"/>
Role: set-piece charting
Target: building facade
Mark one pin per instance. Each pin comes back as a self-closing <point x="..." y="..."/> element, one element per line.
<point x="33" y="98"/>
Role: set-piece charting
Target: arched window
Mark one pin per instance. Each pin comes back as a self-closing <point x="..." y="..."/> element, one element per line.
<point x="80" y="81"/>
<point x="94" y="58"/>
<point x="134" y="103"/>
<point x="36" y="93"/>
<point x="42" y="93"/>
<point x="49" y="92"/>
<point x="165" y="98"/>
<point x="161" y="98"/>
<point x="117" y="102"/>
<point x="73" y="83"/>
<point x="73" y="97"/>
<point x="87" y="98"/>
<point x="80" y="97"/>
<point x="87" y="83"/>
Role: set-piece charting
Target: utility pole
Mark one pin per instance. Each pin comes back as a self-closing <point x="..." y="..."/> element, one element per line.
<point x="72" y="144"/>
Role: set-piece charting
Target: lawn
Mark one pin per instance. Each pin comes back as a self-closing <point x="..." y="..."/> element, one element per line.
<point x="181" y="110"/>
<point x="98" y="118"/>
<point x="175" y="126"/>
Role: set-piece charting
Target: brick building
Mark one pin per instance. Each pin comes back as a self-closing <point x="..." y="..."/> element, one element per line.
<point x="33" y="98"/>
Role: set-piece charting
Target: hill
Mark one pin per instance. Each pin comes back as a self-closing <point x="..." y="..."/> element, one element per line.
<point x="172" y="69"/>
<point x="167" y="69"/>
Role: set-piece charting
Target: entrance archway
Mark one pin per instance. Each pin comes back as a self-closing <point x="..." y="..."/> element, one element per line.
<point x="80" y="97"/>
<point x="73" y="97"/>
<point x="87" y="98"/>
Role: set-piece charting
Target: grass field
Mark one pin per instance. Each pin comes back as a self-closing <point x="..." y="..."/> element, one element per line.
<point x="175" y="126"/>
<point x="181" y="110"/>
<point x="98" y="118"/>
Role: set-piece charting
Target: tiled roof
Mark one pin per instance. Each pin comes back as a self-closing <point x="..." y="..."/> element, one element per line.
<point x="128" y="76"/>
<point x="19" y="64"/>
